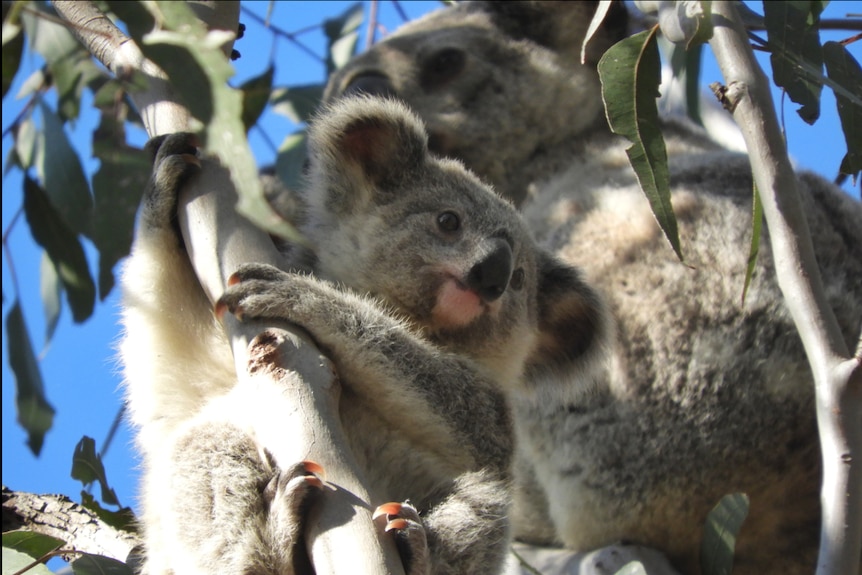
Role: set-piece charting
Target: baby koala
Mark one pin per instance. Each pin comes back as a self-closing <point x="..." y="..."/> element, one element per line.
<point x="432" y="301"/>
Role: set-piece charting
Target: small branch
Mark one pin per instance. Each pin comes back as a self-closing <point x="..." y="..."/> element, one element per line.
<point x="837" y="376"/>
<point x="60" y="517"/>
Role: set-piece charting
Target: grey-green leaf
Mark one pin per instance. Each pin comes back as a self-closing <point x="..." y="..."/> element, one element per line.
<point x="35" y="414"/>
<point x="793" y="32"/>
<point x="630" y="73"/>
<point x="63" y="247"/>
<point x="719" y="534"/>
<point x="62" y="175"/>
<point x="87" y="467"/>
<point x="754" y="247"/>
<point x="13" y="48"/>
<point x="843" y="69"/>
<point x="14" y="561"/>
<point x="99" y="565"/>
<point x="298" y="103"/>
<point x="33" y="544"/>
<point x="50" y="289"/>
<point x="255" y="96"/>
<point x="342" y="34"/>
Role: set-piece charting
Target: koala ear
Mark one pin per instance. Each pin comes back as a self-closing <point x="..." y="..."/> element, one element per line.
<point x="365" y="145"/>
<point x="560" y="26"/>
<point x="572" y="319"/>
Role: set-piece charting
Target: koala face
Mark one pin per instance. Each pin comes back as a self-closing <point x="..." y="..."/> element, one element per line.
<point x="471" y="73"/>
<point x="427" y="237"/>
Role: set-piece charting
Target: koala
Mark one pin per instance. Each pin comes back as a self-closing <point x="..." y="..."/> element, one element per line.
<point x="697" y="393"/>
<point x="431" y="299"/>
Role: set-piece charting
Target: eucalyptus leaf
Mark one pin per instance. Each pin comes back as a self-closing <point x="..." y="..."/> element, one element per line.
<point x="14" y="561"/>
<point x="87" y="467"/>
<point x="13" y="48"/>
<point x="843" y="68"/>
<point x="255" y="96"/>
<point x="630" y="73"/>
<point x="99" y="565"/>
<point x="719" y="534"/>
<point x="25" y="142"/>
<point x="793" y="27"/>
<point x="62" y="175"/>
<point x="35" y="545"/>
<point x="50" y="231"/>
<point x="50" y="288"/>
<point x="299" y="103"/>
<point x="756" y="229"/>
<point x="35" y="414"/>
<point x="342" y="34"/>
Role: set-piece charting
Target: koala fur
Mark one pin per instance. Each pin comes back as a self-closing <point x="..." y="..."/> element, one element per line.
<point x="431" y="299"/>
<point x="697" y="394"/>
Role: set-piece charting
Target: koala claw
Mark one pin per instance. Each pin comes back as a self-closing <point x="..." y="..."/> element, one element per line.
<point x="403" y="521"/>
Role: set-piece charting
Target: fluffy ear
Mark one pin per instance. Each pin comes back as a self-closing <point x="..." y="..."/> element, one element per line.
<point x="572" y="319"/>
<point x="560" y="26"/>
<point x="363" y="148"/>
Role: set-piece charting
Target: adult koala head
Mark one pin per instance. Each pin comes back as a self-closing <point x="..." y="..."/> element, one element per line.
<point x="500" y="85"/>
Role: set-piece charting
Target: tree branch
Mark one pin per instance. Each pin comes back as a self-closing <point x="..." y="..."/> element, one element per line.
<point x="837" y="375"/>
<point x="60" y="517"/>
<point x="340" y="534"/>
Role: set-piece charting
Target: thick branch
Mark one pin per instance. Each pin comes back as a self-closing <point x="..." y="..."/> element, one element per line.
<point x="837" y="376"/>
<point x="340" y="534"/>
<point x="60" y="517"/>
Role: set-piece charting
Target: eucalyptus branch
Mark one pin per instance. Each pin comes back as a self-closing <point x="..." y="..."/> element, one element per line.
<point x="837" y="375"/>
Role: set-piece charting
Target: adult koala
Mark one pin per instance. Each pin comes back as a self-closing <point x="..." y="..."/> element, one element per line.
<point x="699" y="395"/>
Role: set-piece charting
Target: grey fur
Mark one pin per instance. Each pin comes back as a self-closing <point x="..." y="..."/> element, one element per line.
<point x="426" y="322"/>
<point x="696" y="395"/>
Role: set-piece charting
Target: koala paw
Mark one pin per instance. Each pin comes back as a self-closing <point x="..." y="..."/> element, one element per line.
<point x="255" y="290"/>
<point x="404" y="523"/>
<point x="288" y="495"/>
<point x="175" y="160"/>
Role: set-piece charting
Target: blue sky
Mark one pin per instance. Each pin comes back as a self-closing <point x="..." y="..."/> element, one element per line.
<point x="79" y="367"/>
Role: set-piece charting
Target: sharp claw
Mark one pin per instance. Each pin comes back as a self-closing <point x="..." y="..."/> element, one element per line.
<point x="387" y="509"/>
<point x="220" y="309"/>
<point x="315" y="468"/>
<point x="234" y="279"/>
<point x="398" y="523"/>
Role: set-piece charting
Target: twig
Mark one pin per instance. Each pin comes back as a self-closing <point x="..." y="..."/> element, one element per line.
<point x="837" y="376"/>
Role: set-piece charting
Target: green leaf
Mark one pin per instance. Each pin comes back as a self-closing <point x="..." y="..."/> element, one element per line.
<point x="87" y="467"/>
<point x="291" y="157"/>
<point x="843" y="69"/>
<point x="793" y="27"/>
<point x="99" y="565"/>
<point x="756" y="227"/>
<point x="123" y="519"/>
<point x="299" y="103"/>
<point x="342" y="34"/>
<point x="198" y="70"/>
<point x="35" y="414"/>
<point x="719" y="534"/>
<point x="62" y="175"/>
<point x="25" y="142"/>
<point x="63" y="247"/>
<point x="14" y="561"/>
<point x="13" y="48"/>
<point x="630" y="72"/>
<point x="46" y="33"/>
<point x="50" y="289"/>
<point x="36" y="545"/>
<point x="255" y="96"/>
<point x="118" y="186"/>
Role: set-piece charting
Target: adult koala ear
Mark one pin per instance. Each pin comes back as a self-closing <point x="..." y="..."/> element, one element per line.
<point x="559" y="26"/>
<point x="573" y="322"/>
<point x="362" y="148"/>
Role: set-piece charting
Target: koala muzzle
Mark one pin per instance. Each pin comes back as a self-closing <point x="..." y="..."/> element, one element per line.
<point x="491" y="275"/>
<point x="371" y="83"/>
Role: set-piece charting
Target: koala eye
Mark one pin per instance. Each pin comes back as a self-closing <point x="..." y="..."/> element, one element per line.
<point x="442" y="67"/>
<point x="517" y="281"/>
<point x="448" y="221"/>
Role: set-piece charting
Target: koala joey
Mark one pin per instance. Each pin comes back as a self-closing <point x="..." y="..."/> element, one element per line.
<point x="431" y="299"/>
<point x="697" y="394"/>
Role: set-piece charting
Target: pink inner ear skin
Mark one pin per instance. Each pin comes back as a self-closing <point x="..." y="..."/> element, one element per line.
<point x="456" y="305"/>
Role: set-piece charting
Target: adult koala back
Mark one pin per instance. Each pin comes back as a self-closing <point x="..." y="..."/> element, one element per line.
<point x="699" y="395"/>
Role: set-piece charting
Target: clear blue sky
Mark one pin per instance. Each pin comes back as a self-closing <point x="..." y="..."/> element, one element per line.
<point x="79" y="367"/>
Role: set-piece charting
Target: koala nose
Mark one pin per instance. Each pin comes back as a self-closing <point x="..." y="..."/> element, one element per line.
<point x="489" y="277"/>
<point x="371" y="83"/>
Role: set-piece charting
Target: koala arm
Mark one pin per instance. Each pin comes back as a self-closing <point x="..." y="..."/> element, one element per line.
<point x="437" y="398"/>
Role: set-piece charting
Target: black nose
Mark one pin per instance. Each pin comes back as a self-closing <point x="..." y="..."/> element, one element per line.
<point x="489" y="277"/>
<point x="371" y="83"/>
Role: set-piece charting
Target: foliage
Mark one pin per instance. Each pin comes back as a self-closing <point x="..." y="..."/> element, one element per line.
<point x="68" y="212"/>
